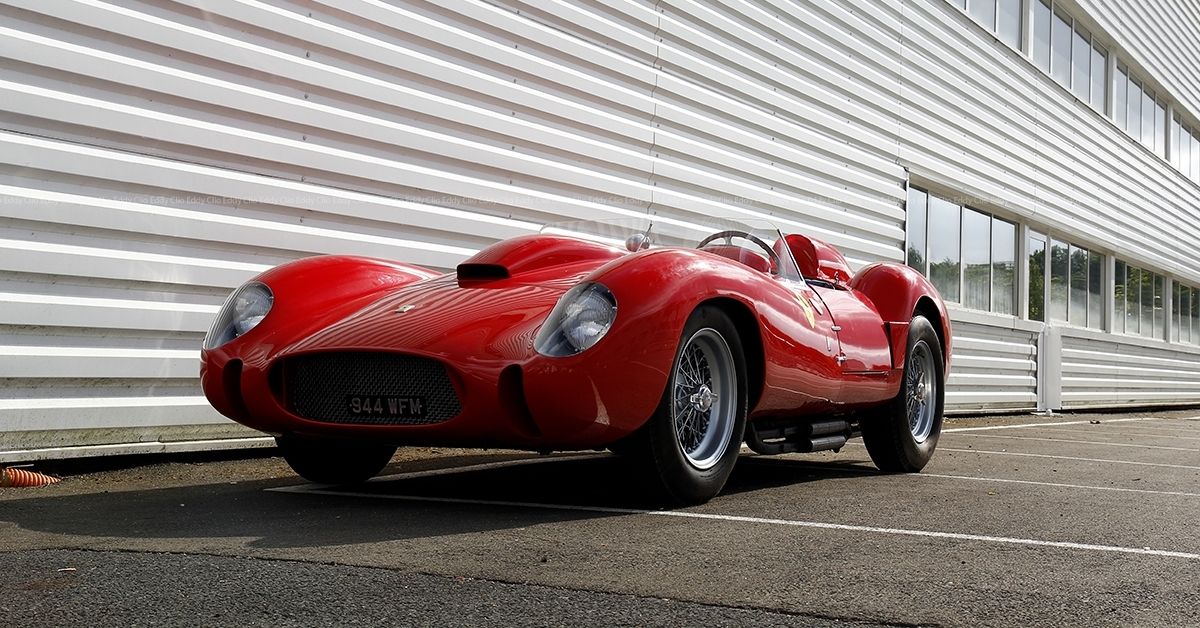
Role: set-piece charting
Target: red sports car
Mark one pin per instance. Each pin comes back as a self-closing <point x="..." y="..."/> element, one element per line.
<point x="663" y="343"/>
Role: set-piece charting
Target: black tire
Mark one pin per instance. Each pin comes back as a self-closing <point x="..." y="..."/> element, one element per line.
<point x="697" y="476"/>
<point x="895" y="441"/>
<point x="334" y="462"/>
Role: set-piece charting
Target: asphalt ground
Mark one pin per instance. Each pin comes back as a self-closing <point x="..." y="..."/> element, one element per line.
<point x="1017" y="521"/>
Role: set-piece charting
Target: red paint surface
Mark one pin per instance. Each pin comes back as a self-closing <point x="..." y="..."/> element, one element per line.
<point x="483" y="328"/>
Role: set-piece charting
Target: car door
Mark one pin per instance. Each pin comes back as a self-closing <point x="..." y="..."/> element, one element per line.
<point x="863" y="342"/>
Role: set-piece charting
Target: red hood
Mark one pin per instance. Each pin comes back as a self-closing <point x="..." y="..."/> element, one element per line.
<point x="490" y="310"/>
<point x="496" y="320"/>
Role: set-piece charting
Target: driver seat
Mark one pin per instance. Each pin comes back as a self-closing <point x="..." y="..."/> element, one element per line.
<point x="818" y="260"/>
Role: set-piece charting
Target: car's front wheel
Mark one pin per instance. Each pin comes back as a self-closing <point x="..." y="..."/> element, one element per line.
<point x="332" y="461"/>
<point x="692" y="442"/>
<point x="902" y="438"/>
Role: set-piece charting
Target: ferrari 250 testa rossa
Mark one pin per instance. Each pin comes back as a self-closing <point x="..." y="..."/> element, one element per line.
<point x="664" y="344"/>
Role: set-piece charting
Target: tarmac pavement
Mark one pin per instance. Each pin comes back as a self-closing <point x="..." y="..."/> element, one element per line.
<point x="1017" y="521"/>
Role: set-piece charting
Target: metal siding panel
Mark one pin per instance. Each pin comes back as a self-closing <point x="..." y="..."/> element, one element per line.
<point x="209" y="141"/>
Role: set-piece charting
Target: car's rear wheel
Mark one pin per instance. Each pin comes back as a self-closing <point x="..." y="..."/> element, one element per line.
<point x="692" y="442"/>
<point x="334" y="462"/>
<point x="903" y="437"/>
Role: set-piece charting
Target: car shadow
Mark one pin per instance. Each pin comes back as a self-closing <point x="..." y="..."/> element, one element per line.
<point x="400" y="505"/>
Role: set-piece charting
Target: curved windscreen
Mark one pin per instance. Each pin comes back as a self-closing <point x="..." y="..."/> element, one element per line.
<point x="757" y="244"/>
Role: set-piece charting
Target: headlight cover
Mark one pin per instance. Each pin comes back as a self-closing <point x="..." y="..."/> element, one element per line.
<point x="243" y="311"/>
<point x="581" y="318"/>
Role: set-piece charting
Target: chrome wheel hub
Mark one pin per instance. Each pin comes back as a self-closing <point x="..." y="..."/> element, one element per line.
<point x="703" y="399"/>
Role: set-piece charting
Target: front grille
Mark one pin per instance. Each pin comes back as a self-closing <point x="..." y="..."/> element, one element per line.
<point x="319" y="386"/>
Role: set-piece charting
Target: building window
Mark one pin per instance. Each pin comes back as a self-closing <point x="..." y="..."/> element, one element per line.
<point x="1185" y="149"/>
<point x="944" y="250"/>
<point x="1060" y="48"/>
<point x="1099" y="75"/>
<point x="1037" y="277"/>
<point x="1075" y="279"/>
<point x="1040" y="44"/>
<point x="1008" y="22"/>
<point x="1185" y="314"/>
<point x="1081" y="63"/>
<point x="1137" y="112"/>
<point x="1138" y="301"/>
<point x="1121" y="97"/>
<point x="968" y="255"/>
<point x="1002" y="17"/>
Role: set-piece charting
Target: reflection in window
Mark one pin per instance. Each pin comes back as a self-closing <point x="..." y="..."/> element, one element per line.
<point x="1183" y="312"/>
<point x="944" y="253"/>
<point x="1120" y="289"/>
<point x="1037" y="277"/>
<point x="1133" y="300"/>
<point x="1081" y="64"/>
<point x="1095" y="290"/>
<point x="1060" y="279"/>
<point x="1195" y="315"/>
<point x="916" y="210"/>
<point x="1099" y="75"/>
<point x="1139" y="300"/>
<point x="1147" y="313"/>
<point x="984" y="12"/>
<point x="1004" y="267"/>
<point x="974" y="265"/>
<point x="1120" y="98"/>
<point x="1040" y="44"/>
<point x="977" y="268"/>
<point x="1060" y="48"/>
<point x="1077" y="313"/>
<point x="1133" y="113"/>
<point x="1008" y="22"/>
<point x="1159" y="306"/>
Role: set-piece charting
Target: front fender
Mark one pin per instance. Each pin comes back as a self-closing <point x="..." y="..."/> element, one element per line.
<point x="310" y="293"/>
<point x="898" y="292"/>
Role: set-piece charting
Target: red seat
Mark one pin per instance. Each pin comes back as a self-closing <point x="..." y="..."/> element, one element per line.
<point x="818" y="260"/>
<point x="754" y="260"/>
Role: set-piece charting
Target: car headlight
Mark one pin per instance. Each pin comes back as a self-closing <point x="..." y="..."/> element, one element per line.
<point x="243" y="311"/>
<point x="581" y="318"/>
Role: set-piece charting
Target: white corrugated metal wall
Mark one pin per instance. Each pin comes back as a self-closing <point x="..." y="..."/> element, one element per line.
<point x="154" y="154"/>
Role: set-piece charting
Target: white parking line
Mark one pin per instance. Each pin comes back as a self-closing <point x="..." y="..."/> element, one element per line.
<point x="1021" y="425"/>
<point x="1057" y="485"/>
<point x="1121" y="433"/>
<point x="1164" y="431"/>
<point x="1086" y="442"/>
<point x="926" y="474"/>
<point x="957" y="536"/>
<point x="1104" y="460"/>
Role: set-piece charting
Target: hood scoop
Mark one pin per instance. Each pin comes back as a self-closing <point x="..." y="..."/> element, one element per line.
<point x="482" y="272"/>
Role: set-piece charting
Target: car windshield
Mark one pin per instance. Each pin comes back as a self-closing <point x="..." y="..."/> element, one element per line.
<point x="757" y="244"/>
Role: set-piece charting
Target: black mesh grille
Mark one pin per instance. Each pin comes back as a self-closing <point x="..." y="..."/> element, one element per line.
<point x="321" y="386"/>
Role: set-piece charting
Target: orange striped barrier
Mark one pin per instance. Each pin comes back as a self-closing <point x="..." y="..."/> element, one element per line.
<point x="21" y="478"/>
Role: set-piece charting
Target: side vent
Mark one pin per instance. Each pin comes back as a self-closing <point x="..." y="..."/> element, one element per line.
<point x="481" y="272"/>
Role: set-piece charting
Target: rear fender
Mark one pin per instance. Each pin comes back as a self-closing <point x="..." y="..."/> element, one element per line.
<point x="899" y="292"/>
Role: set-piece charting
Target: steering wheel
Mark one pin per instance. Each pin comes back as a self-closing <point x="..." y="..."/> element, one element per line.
<point x="772" y="256"/>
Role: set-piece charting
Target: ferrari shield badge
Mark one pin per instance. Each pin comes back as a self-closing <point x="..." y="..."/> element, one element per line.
<point x="807" y="306"/>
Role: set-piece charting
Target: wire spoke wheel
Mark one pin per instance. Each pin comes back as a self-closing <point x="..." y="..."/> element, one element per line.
<point x="704" y="408"/>
<point x="921" y="388"/>
<point x="902" y="437"/>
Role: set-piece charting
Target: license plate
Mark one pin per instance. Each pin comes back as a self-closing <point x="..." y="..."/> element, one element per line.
<point x="391" y="407"/>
